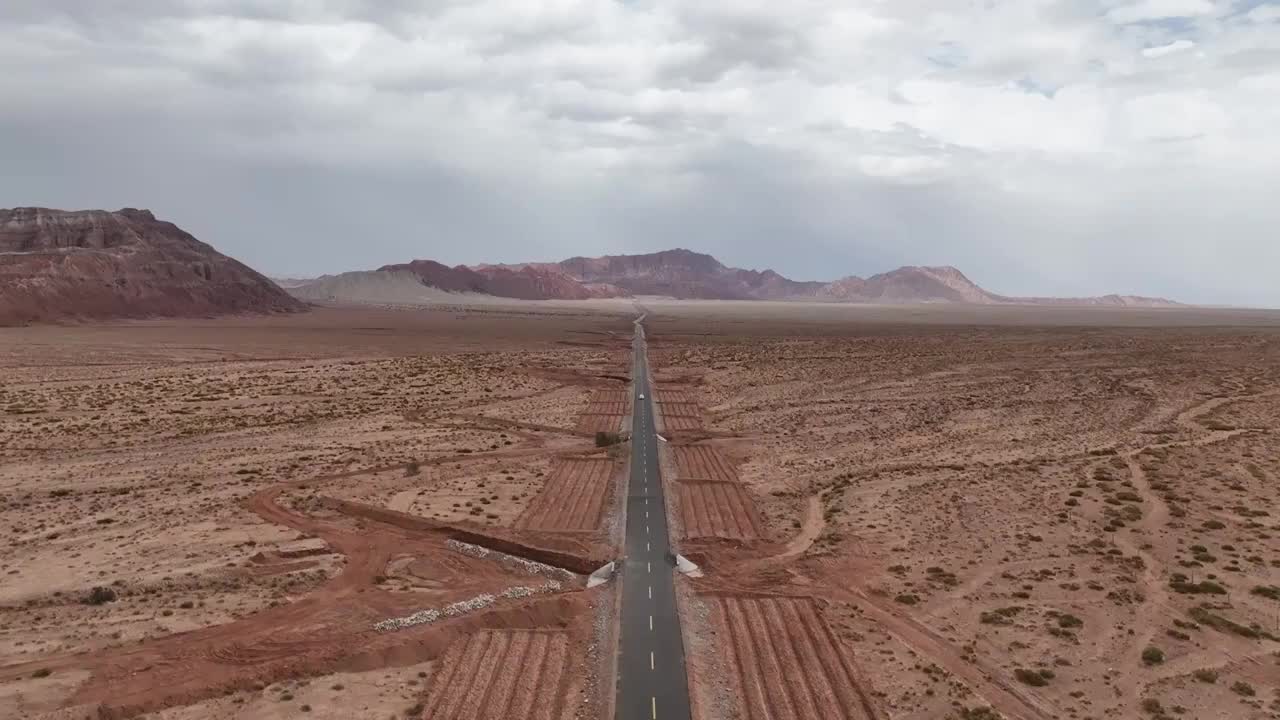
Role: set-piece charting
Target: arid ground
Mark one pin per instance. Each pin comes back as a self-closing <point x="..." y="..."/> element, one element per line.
<point x="1061" y="514"/>
<point x="908" y="512"/>
<point x="226" y="518"/>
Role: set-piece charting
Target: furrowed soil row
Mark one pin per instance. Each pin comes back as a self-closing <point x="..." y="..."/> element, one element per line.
<point x="501" y="674"/>
<point x="682" y="423"/>
<point x="703" y="463"/>
<point x="675" y="396"/>
<point x="771" y="638"/>
<point x="599" y="423"/>
<point x="446" y="698"/>
<point x="717" y="509"/>
<point x="572" y="499"/>
<point x="608" y="396"/>
<point x="673" y="410"/>
<point x="606" y="408"/>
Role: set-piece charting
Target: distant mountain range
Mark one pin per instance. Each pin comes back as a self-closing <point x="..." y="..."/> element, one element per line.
<point x="678" y="273"/>
<point x="58" y="265"/>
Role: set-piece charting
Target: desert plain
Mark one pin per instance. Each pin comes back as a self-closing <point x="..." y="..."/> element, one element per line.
<point x="914" y="512"/>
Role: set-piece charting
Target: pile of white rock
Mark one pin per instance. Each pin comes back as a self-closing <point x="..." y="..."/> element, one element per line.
<point x="462" y="607"/>
<point x="530" y="566"/>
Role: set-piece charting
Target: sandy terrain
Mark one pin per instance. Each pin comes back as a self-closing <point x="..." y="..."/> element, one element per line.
<point x="914" y="513"/>
<point x="992" y="516"/>
<point x="210" y="518"/>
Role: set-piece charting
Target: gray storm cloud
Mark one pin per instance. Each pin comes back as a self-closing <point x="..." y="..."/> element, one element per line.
<point x="1044" y="146"/>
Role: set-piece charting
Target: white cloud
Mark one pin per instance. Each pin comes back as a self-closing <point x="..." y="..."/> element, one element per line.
<point x="918" y="168"/>
<point x="1174" y="47"/>
<point x="1265" y="13"/>
<point x="1144" y="10"/>
<point x="1175" y="116"/>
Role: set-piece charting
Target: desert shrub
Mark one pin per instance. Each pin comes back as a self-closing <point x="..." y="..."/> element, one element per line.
<point x="1070" y="621"/>
<point x="42" y="673"/>
<point x="907" y="599"/>
<point x="412" y="469"/>
<point x="1267" y="591"/>
<point x="980" y="713"/>
<point x="1204" y="587"/>
<point x="1206" y="675"/>
<point x="1152" y="706"/>
<point x="1030" y="677"/>
<point x="606" y="439"/>
<point x="1000" y="616"/>
<point x="100" y="596"/>
<point x="1152" y="655"/>
<point x="1203" y="615"/>
<point x="1213" y="525"/>
<point x="1243" y="689"/>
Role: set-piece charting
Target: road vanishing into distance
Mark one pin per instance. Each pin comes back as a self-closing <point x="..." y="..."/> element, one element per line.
<point x="652" y="682"/>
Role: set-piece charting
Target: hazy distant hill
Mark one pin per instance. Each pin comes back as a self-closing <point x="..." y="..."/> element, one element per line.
<point x="675" y="273"/>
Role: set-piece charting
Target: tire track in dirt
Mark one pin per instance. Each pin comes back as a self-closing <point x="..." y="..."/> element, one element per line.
<point x="987" y="682"/>
<point x="1156" y="515"/>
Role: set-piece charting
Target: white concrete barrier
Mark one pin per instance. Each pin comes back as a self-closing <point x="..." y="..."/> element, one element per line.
<point x="601" y="576"/>
<point x="685" y="566"/>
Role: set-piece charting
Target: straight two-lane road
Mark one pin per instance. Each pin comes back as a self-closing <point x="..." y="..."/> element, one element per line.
<point x="652" y="682"/>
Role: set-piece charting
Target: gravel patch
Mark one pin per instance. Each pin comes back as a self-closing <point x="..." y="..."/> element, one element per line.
<point x="463" y="607"/>
<point x="511" y="561"/>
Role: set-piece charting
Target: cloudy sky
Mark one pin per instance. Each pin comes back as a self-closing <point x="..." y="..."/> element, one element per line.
<point x="1064" y="147"/>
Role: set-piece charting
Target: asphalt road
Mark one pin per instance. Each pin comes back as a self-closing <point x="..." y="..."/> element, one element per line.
<point x="652" y="682"/>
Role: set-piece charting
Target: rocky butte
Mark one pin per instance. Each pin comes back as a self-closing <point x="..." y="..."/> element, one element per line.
<point x="58" y="265"/>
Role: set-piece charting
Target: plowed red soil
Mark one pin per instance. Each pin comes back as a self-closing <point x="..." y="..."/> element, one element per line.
<point x="674" y="396"/>
<point x="573" y="498"/>
<point x="717" y="509"/>
<point x="607" y="408"/>
<point x="787" y="663"/>
<point x="681" y="422"/>
<point x="672" y="409"/>
<point x="604" y="412"/>
<point x="699" y="462"/>
<point x="497" y="674"/>
<point x="599" y="423"/>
